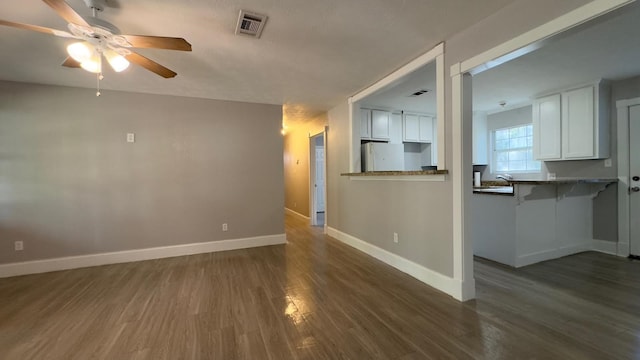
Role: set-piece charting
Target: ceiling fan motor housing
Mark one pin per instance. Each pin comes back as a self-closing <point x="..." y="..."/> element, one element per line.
<point x="95" y="4"/>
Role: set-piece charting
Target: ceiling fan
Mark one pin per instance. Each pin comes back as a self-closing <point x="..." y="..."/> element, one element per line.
<point x="99" y="38"/>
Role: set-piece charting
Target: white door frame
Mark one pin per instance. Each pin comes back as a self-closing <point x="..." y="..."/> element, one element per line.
<point x="461" y="122"/>
<point x="624" y="238"/>
<point x="312" y="178"/>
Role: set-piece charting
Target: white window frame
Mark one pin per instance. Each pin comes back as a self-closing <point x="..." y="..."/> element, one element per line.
<point x="494" y="161"/>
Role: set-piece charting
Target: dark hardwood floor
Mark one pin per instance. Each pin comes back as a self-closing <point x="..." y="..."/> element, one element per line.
<point x="316" y="298"/>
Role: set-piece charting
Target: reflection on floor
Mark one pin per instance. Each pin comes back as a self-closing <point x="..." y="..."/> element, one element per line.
<point x="316" y="298"/>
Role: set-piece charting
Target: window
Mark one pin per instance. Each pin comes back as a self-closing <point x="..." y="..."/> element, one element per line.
<point x="513" y="150"/>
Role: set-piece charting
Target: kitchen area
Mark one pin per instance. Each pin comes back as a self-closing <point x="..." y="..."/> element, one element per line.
<point x="545" y="144"/>
<point x="399" y="125"/>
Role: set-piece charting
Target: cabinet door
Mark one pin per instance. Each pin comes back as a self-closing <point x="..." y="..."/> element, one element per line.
<point x="380" y="123"/>
<point x="578" y="123"/>
<point x="546" y="128"/>
<point x="426" y="129"/>
<point x="365" y="124"/>
<point x="410" y="128"/>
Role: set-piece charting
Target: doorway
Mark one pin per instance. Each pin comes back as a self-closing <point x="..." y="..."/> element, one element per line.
<point x="634" y="170"/>
<point x="629" y="177"/>
<point x="317" y="176"/>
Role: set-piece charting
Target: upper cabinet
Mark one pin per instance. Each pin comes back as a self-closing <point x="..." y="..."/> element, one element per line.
<point x="375" y="124"/>
<point x="572" y="124"/>
<point x="547" y="128"/>
<point x="417" y="128"/>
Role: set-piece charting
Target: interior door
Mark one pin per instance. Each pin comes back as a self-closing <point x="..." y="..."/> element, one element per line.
<point x="319" y="179"/>
<point x="634" y="183"/>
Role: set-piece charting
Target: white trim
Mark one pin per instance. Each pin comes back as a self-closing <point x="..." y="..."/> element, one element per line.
<point x="526" y="42"/>
<point x="432" y="278"/>
<point x="456" y="168"/>
<point x="520" y="45"/>
<point x="74" y="262"/>
<point x="623" y="249"/>
<point x="353" y="151"/>
<point x="603" y="246"/>
<point x="440" y="112"/>
<point x="431" y="178"/>
<point x="624" y="235"/>
<point x="528" y="259"/>
<point x="295" y="213"/>
<point x="312" y="176"/>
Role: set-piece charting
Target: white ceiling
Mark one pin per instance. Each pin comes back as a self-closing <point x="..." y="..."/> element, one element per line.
<point x="606" y="48"/>
<point x="397" y="96"/>
<point x="312" y="54"/>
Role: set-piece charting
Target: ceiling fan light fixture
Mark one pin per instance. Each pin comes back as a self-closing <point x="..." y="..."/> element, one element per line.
<point x="81" y="51"/>
<point x="117" y="61"/>
<point x="93" y="64"/>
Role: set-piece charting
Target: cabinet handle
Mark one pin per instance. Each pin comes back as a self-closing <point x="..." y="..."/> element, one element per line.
<point x="635" y="189"/>
<point x="636" y="178"/>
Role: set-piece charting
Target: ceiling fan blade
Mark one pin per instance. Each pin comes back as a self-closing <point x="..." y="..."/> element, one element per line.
<point x="150" y="65"/>
<point x="158" y="42"/>
<point x="66" y="12"/>
<point x="37" y="28"/>
<point x="70" y="62"/>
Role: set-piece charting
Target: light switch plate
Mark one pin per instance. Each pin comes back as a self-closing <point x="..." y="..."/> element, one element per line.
<point x="608" y="162"/>
<point x="131" y="137"/>
<point x="551" y="176"/>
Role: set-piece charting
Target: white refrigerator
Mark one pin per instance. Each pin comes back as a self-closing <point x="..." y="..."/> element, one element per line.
<point x="382" y="157"/>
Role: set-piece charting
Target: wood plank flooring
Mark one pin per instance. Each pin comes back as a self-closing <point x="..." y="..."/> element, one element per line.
<point x="316" y="298"/>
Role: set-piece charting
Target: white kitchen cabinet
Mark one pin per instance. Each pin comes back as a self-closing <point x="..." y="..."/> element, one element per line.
<point x="417" y="128"/>
<point x="578" y="123"/>
<point x="547" y="128"/>
<point x="365" y="124"/>
<point x="572" y="124"/>
<point x="375" y="124"/>
<point x="380" y="125"/>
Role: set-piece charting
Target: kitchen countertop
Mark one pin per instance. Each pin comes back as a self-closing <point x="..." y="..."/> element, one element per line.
<point x="398" y="173"/>
<point x="498" y="187"/>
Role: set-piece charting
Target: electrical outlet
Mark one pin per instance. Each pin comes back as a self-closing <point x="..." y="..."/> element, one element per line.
<point x="18" y="246"/>
<point x="225" y="227"/>
<point x="131" y="137"/>
<point x="395" y="237"/>
<point x="551" y="176"/>
<point x="608" y="163"/>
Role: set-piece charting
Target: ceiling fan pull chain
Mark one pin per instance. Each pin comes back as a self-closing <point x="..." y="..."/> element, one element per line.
<point x="98" y="78"/>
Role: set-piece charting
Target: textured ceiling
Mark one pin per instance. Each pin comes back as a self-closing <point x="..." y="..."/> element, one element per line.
<point x="607" y="48"/>
<point x="312" y="54"/>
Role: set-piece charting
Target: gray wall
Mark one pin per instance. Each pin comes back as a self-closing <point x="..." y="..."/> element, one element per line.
<point x="70" y="184"/>
<point x="421" y="213"/>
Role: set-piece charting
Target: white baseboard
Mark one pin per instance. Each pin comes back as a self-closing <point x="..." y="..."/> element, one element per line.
<point x="73" y="262"/>
<point x="533" y="258"/>
<point x="607" y="247"/>
<point x="623" y="249"/>
<point x="292" y="212"/>
<point x="432" y="278"/>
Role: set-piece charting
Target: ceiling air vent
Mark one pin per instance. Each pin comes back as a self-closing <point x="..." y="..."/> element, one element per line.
<point x="250" y="23"/>
<point x="419" y="92"/>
